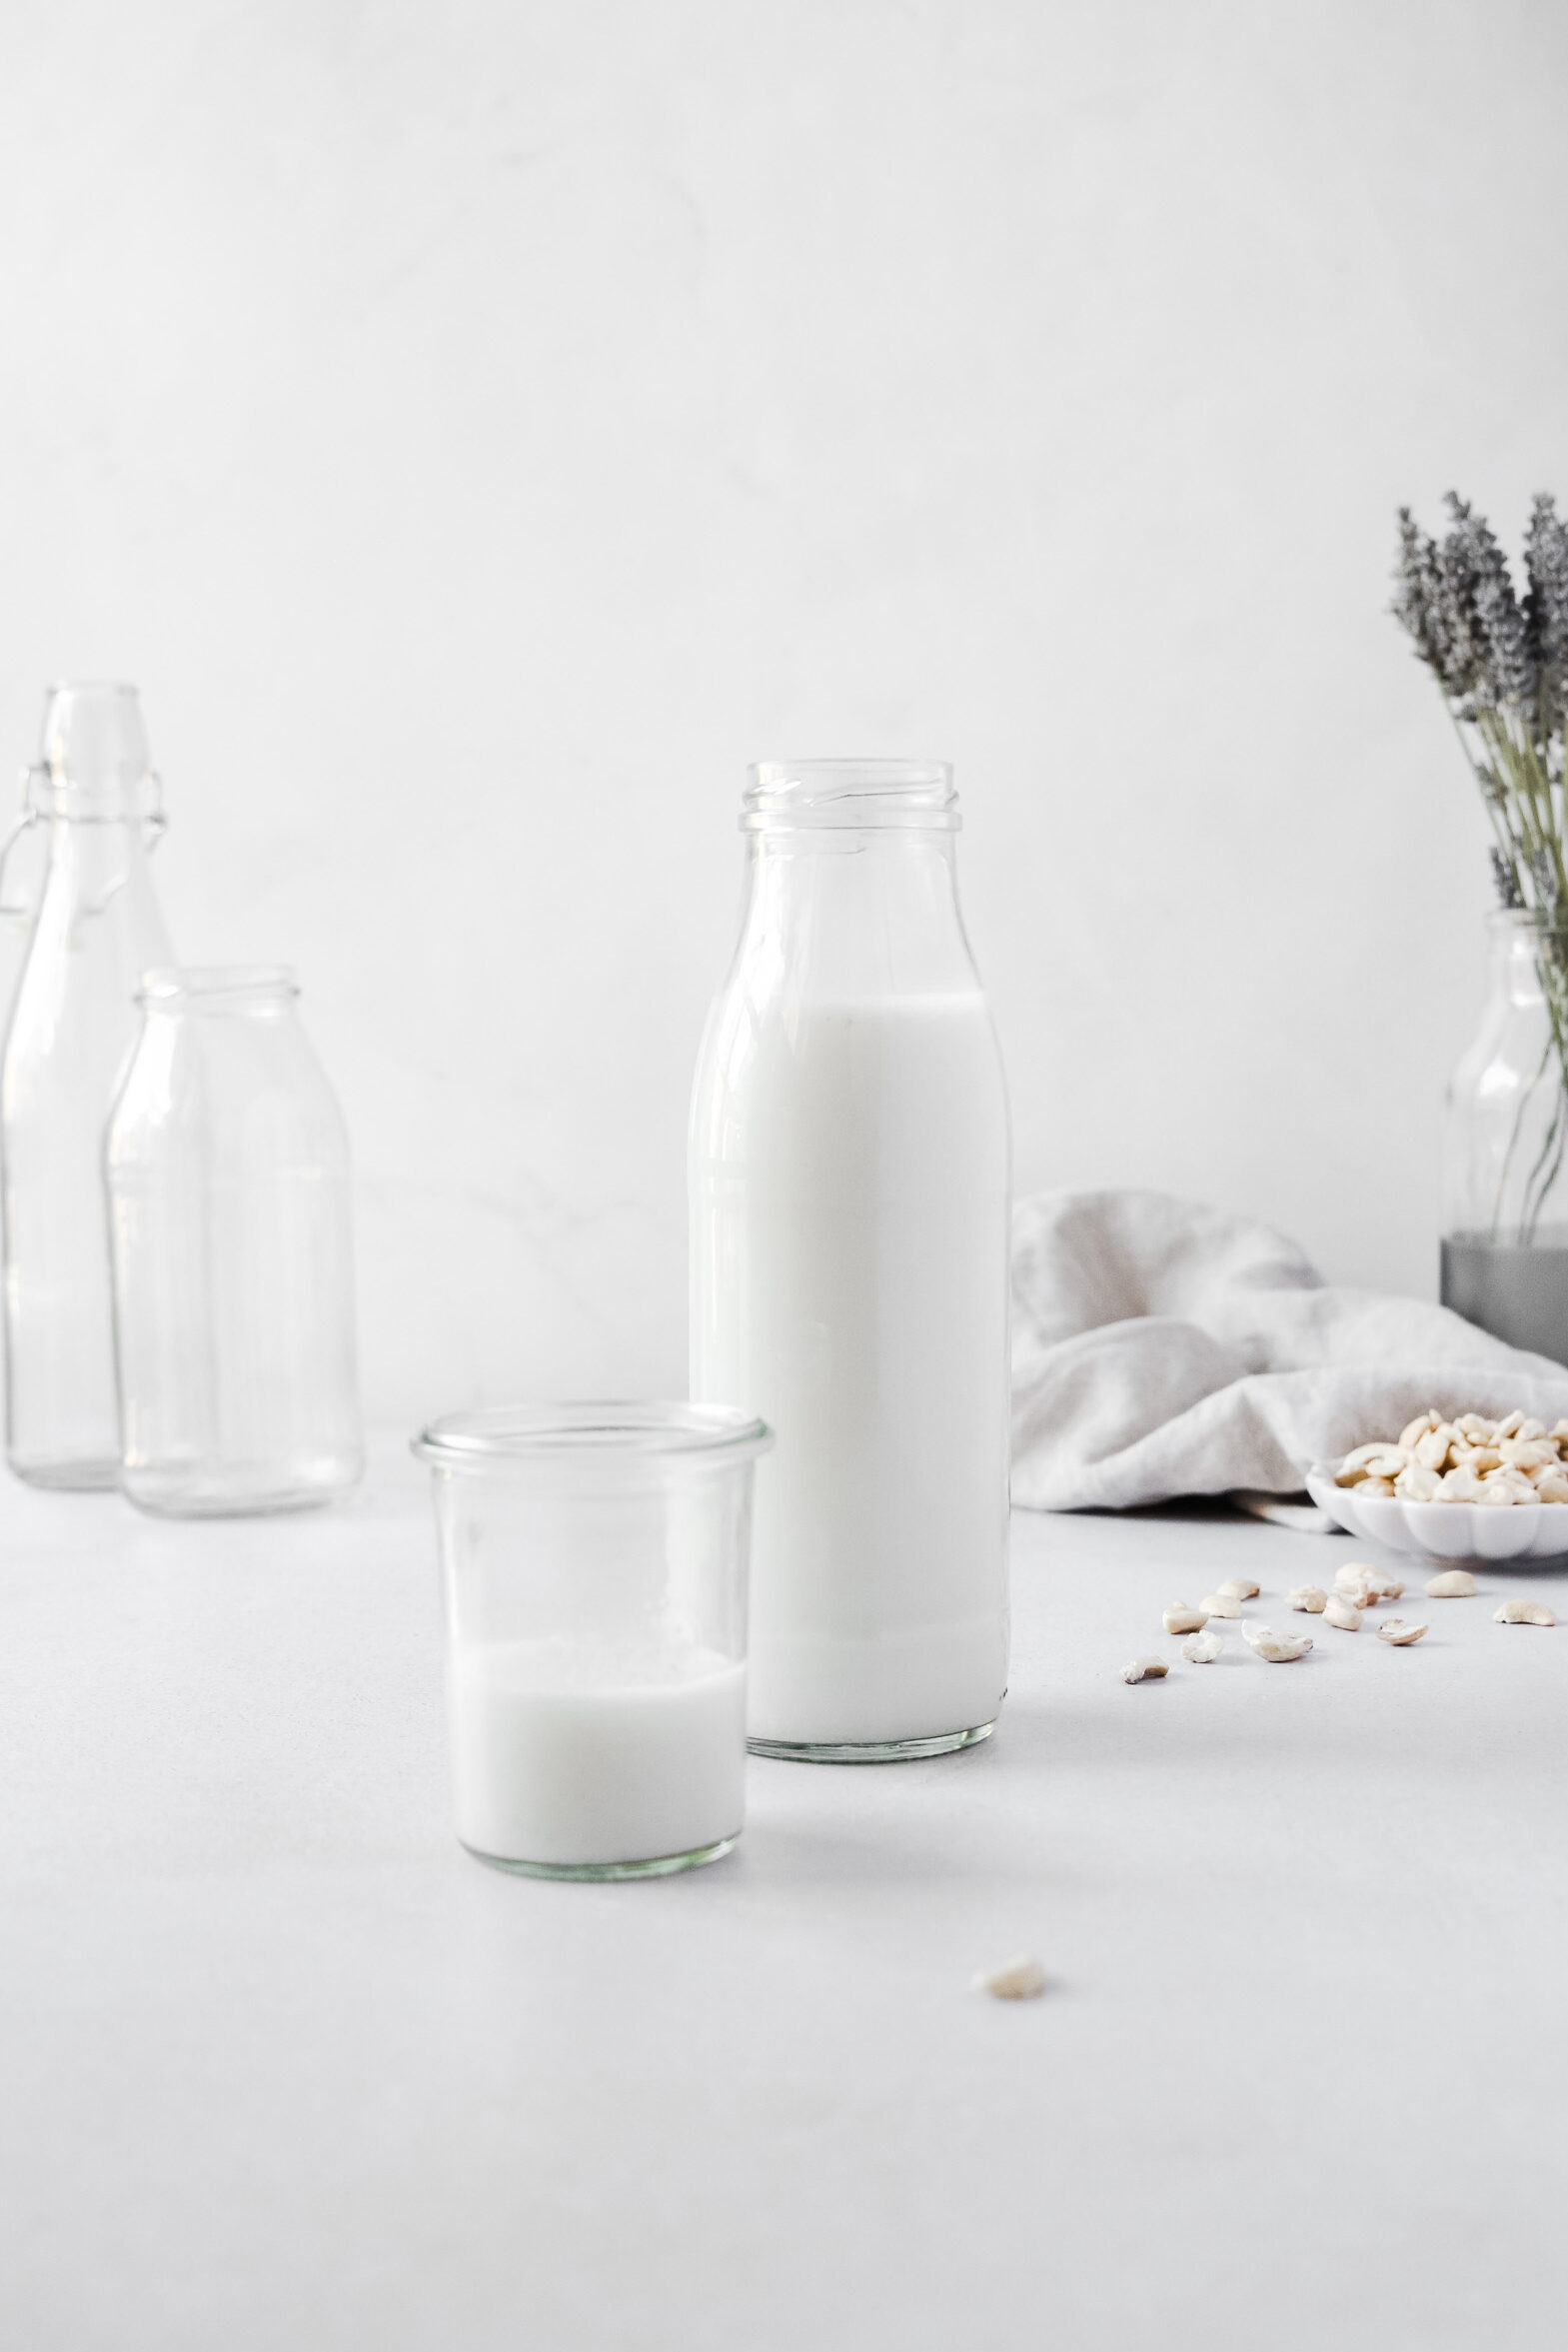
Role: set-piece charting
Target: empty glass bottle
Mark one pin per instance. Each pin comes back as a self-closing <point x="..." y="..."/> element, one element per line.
<point x="1505" y="1160"/>
<point x="227" y="1162"/>
<point x="72" y="1023"/>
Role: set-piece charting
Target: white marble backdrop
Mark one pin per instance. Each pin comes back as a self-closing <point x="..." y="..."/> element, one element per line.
<point x="482" y="428"/>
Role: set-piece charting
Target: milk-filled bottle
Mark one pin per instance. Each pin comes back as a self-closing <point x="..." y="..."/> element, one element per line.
<point x="849" y="1180"/>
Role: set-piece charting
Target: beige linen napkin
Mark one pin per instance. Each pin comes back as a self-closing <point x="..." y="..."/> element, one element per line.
<point x="1161" y="1348"/>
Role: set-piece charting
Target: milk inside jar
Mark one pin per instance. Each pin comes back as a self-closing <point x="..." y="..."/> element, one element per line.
<point x="593" y="1566"/>
<point x="850" y="1266"/>
<point x="563" y="1756"/>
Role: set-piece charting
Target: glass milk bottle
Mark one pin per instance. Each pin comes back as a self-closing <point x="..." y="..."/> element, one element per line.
<point x="72" y="1024"/>
<point x="850" y="1266"/>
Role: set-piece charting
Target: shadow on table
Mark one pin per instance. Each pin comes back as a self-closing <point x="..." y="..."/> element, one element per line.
<point x="822" y="1854"/>
<point x="1202" y="1509"/>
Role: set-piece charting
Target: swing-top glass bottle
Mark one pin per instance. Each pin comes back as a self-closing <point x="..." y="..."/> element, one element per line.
<point x="73" y="1021"/>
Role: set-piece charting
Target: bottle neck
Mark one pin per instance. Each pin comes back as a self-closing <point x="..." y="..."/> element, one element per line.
<point x="94" y="798"/>
<point x="92" y="753"/>
<point x="836" y="914"/>
<point x="1519" y="943"/>
<point x="55" y="800"/>
<point x="93" y="768"/>
<point x="98" y="894"/>
<point x="85" y="851"/>
<point x="99" y="831"/>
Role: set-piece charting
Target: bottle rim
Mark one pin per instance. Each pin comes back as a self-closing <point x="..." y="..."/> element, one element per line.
<point x="616" y="1429"/>
<point x="855" y="792"/>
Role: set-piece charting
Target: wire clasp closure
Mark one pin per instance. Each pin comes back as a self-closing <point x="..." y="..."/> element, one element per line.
<point x="43" y="799"/>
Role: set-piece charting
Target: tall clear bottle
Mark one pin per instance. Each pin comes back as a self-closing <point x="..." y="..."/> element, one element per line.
<point x="73" y="1021"/>
<point x="1505" y="1144"/>
<point x="849" y="1205"/>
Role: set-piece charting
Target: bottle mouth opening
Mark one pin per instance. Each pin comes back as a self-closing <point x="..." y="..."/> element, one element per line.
<point x="589" y="1432"/>
<point x="851" y="792"/>
<point x="217" y="988"/>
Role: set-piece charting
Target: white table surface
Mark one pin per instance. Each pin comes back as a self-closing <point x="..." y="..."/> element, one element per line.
<point x="283" y="2067"/>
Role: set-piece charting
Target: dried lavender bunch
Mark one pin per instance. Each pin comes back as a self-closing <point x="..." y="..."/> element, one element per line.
<point x="1546" y="616"/>
<point x="1501" y="660"/>
<point x="1503" y="664"/>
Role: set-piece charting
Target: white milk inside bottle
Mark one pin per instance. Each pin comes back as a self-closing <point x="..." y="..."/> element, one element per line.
<point x="850" y="1267"/>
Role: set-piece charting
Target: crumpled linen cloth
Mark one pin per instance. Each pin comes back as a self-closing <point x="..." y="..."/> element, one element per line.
<point x="1162" y="1349"/>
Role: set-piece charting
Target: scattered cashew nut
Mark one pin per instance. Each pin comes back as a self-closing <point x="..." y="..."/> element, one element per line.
<point x="1022" y="1979"/>
<point x="1359" y="1576"/>
<point x="1280" y="1649"/>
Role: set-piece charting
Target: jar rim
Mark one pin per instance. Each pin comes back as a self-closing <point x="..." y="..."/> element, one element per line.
<point x="616" y="1428"/>
<point x="215" y="985"/>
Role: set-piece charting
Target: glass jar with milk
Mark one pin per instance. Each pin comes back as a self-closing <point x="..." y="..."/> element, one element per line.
<point x="595" y="1562"/>
<point x="849" y="1216"/>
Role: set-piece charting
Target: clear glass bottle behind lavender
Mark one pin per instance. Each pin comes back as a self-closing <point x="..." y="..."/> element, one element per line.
<point x="1505" y="1159"/>
<point x="73" y="1021"/>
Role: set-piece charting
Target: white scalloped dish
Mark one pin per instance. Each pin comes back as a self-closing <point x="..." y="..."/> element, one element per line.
<point x="1467" y="1531"/>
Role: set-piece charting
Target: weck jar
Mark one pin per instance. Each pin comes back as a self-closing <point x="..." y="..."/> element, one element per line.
<point x="593" y="1566"/>
<point x="849" y="1224"/>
